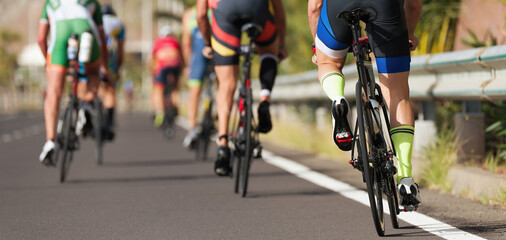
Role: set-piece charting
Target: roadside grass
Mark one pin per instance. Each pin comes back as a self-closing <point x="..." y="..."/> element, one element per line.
<point x="438" y="157"/>
<point x="499" y="199"/>
<point x="494" y="164"/>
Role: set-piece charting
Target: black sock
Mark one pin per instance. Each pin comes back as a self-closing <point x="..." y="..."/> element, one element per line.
<point x="110" y="117"/>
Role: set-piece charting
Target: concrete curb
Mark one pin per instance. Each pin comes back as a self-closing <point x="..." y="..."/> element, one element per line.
<point x="475" y="182"/>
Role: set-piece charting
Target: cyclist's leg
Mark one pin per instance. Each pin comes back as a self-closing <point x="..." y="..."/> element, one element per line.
<point x="333" y="38"/>
<point x="225" y="42"/>
<point x="227" y="78"/>
<point x="393" y="60"/>
<point x="267" y="45"/>
<point x="172" y="103"/>
<point x="55" y="70"/>
<point x="158" y="96"/>
<point x="55" y="82"/>
<point x="109" y="100"/>
<point x="268" y="48"/>
<point x="198" y="68"/>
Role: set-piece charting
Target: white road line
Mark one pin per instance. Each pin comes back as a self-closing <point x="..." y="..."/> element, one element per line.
<point x="20" y="134"/>
<point x="6" y="138"/>
<point x="17" y="134"/>
<point x="424" y="222"/>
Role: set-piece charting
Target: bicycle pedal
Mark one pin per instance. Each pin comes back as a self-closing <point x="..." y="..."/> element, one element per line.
<point x="410" y="208"/>
<point x="356" y="164"/>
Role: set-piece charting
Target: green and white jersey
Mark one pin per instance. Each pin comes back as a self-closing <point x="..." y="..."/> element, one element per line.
<point x="66" y="17"/>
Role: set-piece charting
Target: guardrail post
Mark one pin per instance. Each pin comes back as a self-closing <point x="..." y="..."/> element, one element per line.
<point x="470" y="133"/>
<point x="425" y="126"/>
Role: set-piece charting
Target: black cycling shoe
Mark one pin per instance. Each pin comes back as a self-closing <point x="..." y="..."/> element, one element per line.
<point x="109" y="134"/>
<point x="341" y="133"/>
<point x="222" y="164"/>
<point x="264" y="117"/>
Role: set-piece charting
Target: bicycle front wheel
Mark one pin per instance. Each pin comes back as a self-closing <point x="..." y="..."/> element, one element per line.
<point x="371" y="173"/>
<point x="97" y="130"/>
<point x="245" y="159"/>
<point x="67" y="143"/>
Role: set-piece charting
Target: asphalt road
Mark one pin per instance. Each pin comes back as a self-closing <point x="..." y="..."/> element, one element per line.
<point x="152" y="188"/>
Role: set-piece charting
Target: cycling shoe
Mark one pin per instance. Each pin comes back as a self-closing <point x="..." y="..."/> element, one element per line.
<point x="264" y="117"/>
<point x="222" y="164"/>
<point x="341" y="132"/>
<point x="409" y="194"/>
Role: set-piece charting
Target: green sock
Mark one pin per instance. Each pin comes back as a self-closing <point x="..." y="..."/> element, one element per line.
<point x="402" y="138"/>
<point x="333" y="85"/>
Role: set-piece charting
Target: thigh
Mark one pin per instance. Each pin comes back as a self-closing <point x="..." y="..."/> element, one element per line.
<point x="388" y="36"/>
<point x="333" y="36"/>
<point x="226" y="38"/>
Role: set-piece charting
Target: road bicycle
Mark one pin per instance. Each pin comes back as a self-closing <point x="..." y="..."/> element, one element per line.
<point x="66" y="136"/>
<point x="373" y="144"/>
<point x="206" y="126"/>
<point x="244" y="136"/>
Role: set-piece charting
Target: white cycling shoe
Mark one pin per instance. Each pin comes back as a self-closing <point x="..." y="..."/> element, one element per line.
<point x="409" y="194"/>
<point x="46" y="156"/>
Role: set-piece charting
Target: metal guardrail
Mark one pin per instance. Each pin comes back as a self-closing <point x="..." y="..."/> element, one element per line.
<point x="476" y="74"/>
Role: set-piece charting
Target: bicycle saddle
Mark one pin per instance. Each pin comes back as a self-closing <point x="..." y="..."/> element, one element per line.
<point x="355" y="15"/>
<point x="253" y="30"/>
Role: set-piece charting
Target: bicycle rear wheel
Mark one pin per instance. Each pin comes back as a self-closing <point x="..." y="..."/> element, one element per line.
<point x="245" y="159"/>
<point x="393" y="201"/>
<point x="67" y="142"/>
<point x="202" y="143"/>
<point x="371" y="172"/>
<point x="97" y="130"/>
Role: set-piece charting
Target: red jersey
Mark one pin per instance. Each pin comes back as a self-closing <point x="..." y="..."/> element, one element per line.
<point x="166" y="53"/>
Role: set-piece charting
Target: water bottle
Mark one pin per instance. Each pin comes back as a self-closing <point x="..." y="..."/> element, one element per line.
<point x="72" y="47"/>
<point x="85" y="47"/>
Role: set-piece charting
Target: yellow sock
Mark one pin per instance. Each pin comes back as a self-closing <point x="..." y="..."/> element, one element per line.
<point x="333" y="85"/>
<point x="402" y="137"/>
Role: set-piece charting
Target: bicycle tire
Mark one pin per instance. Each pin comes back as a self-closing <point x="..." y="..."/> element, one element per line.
<point x="393" y="202"/>
<point x="371" y="173"/>
<point x="245" y="160"/>
<point x="97" y="131"/>
<point x="66" y="142"/>
<point x="204" y="138"/>
<point x="209" y="126"/>
<point x="235" y="157"/>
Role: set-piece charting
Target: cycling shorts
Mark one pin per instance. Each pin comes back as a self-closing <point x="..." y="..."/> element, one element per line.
<point x="162" y="76"/>
<point x="57" y="55"/>
<point x="227" y="19"/>
<point x="386" y="29"/>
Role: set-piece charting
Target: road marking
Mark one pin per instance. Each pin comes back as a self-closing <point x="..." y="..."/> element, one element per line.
<point x="424" y="222"/>
<point x="6" y="138"/>
<point x="23" y="133"/>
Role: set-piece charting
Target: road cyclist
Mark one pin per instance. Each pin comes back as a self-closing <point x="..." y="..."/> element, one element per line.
<point x="62" y="19"/>
<point x="222" y="39"/>
<point x="167" y="61"/>
<point x="390" y="28"/>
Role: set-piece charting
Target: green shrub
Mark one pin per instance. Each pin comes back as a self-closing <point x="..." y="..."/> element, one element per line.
<point x="438" y="157"/>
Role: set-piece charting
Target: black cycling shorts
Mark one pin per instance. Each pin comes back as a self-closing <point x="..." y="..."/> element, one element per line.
<point x="228" y="18"/>
<point x="386" y="29"/>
